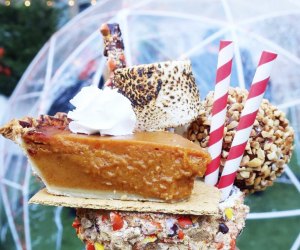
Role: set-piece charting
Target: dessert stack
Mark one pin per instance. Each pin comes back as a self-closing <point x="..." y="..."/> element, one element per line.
<point x="135" y="182"/>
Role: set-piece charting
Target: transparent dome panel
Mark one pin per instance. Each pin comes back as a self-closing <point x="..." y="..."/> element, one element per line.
<point x="24" y="105"/>
<point x="12" y="201"/>
<point x="34" y="77"/>
<point x="281" y="32"/>
<point x="65" y="45"/>
<point x="69" y="80"/>
<point x="160" y="39"/>
<point x="204" y="64"/>
<point x="244" y="11"/>
<point x="15" y="173"/>
<point x="206" y="10"/>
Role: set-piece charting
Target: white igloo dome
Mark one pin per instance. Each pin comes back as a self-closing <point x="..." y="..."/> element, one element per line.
<point x="155" y="30"/>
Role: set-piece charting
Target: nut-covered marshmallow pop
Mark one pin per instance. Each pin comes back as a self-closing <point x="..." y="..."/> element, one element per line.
<point x="269" y="147"/>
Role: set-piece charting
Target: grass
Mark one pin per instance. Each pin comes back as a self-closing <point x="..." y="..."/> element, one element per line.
<point x="44" y="229"/>
<point x="280" y="196"/>
<point x="275" y="234"/>
<point x="70" y="240"/>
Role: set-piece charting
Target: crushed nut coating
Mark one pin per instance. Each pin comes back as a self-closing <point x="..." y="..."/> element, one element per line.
<point x="269" y="147"/>
<point x="17" y="127"/>
<point x="113" y="49"/>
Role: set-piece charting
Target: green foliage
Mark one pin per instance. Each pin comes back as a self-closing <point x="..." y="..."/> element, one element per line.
<point x="23" y="31"/>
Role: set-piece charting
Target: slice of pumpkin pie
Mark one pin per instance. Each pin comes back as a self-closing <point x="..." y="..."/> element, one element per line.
<point x="143" y="165"/>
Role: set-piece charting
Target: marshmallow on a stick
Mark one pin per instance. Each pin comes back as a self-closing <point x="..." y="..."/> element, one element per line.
<point x="163" y="94"/>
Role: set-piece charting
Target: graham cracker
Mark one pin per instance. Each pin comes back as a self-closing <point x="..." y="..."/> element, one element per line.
<point x="204" y="201"/>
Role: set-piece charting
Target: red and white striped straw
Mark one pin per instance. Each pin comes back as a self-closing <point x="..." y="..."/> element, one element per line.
<point x="246" y="122"/>
<point x="219" y="111"/>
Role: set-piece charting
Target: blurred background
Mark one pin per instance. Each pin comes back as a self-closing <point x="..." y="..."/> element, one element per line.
<point x="50" y="49"/>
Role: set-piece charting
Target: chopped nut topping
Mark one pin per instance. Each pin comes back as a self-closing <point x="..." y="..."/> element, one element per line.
<point x="269" y="147"/>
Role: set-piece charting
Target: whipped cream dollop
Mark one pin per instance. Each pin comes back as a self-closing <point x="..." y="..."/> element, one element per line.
<point x="101" y="111"/>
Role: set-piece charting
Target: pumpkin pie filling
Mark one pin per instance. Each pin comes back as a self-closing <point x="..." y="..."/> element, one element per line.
<point x="144" y="165"/>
